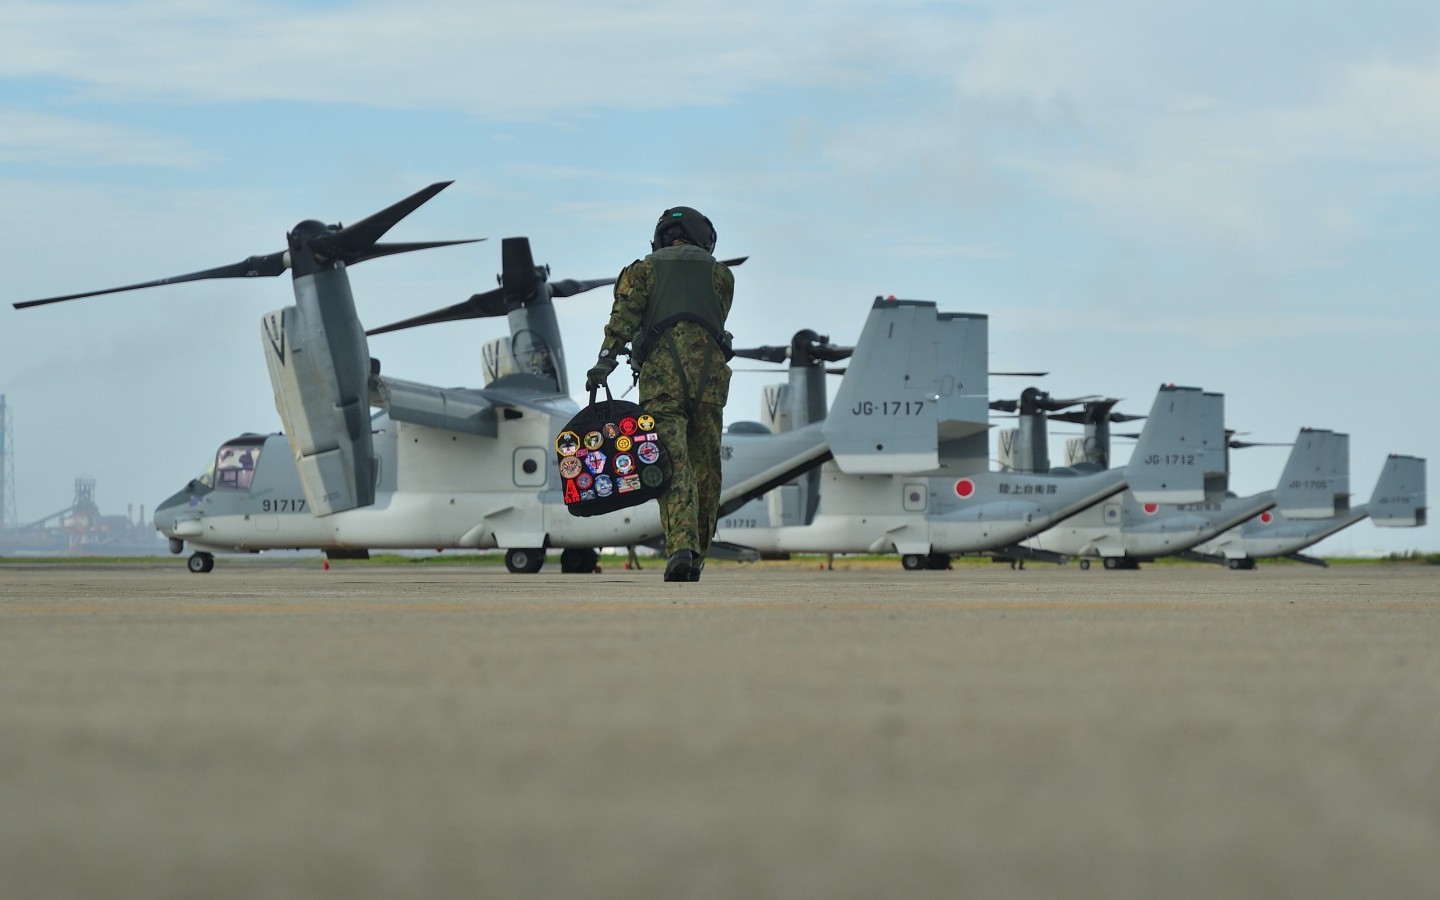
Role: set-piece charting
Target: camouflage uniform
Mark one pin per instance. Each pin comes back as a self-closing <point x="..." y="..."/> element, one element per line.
<point x="684" y="383"/>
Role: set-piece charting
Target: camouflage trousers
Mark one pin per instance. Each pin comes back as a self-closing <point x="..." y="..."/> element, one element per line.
<point x="689" y="506"/>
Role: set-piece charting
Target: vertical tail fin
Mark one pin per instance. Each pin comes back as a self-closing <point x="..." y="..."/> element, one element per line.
<point x="1180" y="456"/>
<point x="917" y="386"/>
<point x="1316" y="480"/>
<point x="1399" y="498"/>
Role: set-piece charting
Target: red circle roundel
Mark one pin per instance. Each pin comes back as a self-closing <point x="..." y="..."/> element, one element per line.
<point x="1266" y="518"/>
<point x="964" y="489"/>
<point x="1151" y="508"/>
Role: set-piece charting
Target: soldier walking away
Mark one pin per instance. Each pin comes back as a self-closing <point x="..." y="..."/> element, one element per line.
<point x="670" y="308"/>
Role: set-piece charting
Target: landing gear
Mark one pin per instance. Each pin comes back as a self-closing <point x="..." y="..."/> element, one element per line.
<point x="1121" y="562"/>
<point x="578" y="560"/>
<point x="200" y="563"/>
<point x="915" y="562"/>
<point x="524" y="562"/>
<point x="1241" y="564"/>
<point x="1084" y="565"/>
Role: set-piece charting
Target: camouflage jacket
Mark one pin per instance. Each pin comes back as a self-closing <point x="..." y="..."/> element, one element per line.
<point x="696" y="352"/>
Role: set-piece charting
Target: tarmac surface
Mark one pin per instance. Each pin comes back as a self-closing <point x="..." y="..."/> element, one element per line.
<point x="278" y="730"/>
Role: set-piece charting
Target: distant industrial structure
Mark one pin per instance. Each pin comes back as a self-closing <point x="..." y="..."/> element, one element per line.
<point x="78" y="530"/>
<point x="7" y="469"/>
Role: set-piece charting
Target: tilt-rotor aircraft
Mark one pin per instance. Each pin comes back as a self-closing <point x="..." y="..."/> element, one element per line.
<point x="471" y="468"/>
<point x="1397" y="502"/>
<point x="1130" y="529"/>
<point x="880" y="497"/>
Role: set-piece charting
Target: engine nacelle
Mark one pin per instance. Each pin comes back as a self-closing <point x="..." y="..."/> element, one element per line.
<point x="319" y="366"/>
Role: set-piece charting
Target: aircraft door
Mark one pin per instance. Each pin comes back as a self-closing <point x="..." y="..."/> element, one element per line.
<point x="530" y="463"/>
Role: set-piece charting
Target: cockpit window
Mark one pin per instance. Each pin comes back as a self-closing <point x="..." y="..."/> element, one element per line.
<point x="235" y="465"/>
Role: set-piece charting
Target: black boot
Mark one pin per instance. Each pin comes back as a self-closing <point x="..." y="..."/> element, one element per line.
<point x="681" y="566"/>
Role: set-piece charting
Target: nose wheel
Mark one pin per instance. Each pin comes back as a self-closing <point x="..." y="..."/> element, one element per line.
<point x="200" y="563"/>
<point x="524" y="561"/>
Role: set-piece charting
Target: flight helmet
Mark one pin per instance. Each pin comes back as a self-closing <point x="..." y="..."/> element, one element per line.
<point x="683" y="223"/>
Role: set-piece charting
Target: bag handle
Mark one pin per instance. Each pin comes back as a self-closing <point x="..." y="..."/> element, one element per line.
<point x="608" y="397"/>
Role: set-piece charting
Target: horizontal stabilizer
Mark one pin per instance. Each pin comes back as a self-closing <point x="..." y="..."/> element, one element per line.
<point x="918" y="377"/>
<point x="1180" y="455"/>
<point x="1316" y="480"/>
<point x="1399" y="499"/>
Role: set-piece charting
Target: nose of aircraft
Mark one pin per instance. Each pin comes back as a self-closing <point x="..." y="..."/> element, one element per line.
<point x="174" y="509"/>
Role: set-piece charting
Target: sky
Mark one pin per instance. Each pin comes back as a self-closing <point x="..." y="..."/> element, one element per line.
<point x="1236" y="196"/>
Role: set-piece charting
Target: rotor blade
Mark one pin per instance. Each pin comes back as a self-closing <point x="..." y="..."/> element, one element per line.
<point x="766" y="353"/>
<point x="266" y="266"/>
<point x="363" y="235"/>
<point x="518" y="274"/>
<point x="569" y="287"/>
<point x="479" y="306"/>
<point x="1052" y="404"/>
<point x="832" y="353"/>
<point x="378" y="250"/>
<point x="1022" y="374"/>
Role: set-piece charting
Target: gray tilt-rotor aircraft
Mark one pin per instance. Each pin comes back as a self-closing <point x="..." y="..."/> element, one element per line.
<point x="928" y="506"/>
<point x="473" y="468"/>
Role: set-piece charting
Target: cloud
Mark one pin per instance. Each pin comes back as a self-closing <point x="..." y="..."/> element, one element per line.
<point x="29" y="137"/>
<point x="520" y="61"/>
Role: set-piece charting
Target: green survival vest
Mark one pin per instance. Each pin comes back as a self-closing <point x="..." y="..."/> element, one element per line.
<point x="684" y="289"/>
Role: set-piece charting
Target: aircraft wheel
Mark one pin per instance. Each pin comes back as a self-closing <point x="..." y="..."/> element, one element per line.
<point x="578" y="560"/>
<point x="200" y="563"/>
<point x="1241" y="564"/>
<point x="1084" y="565"/>
<point x="1112" y="562"/>
<point x="524" y="562"/>
<point x="913" y="562"/>
<point x="937" y="561"/>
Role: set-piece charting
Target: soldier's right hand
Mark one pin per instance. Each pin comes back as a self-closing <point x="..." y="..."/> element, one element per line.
<point x="595" y="378"/>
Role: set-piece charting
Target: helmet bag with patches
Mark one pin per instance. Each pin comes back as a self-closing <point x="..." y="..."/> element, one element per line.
<point x="610" y="457"/>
